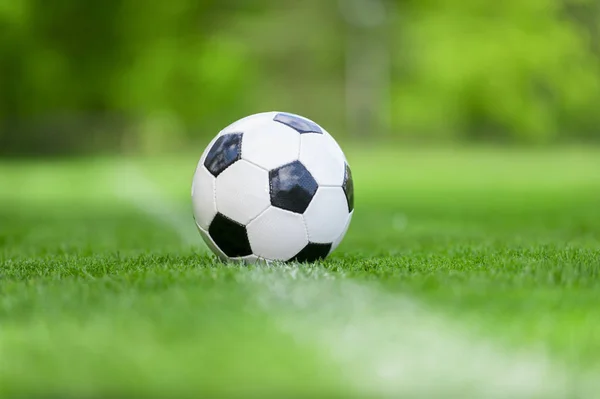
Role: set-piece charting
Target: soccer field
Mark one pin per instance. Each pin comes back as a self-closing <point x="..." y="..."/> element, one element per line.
<point x="467" y="272"/>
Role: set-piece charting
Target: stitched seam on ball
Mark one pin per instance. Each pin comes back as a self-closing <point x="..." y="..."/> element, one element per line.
<point x="270" y="188"/>
<point x="257" y="216"/>
<point x="214" y="188"/>
<point x="306" y="229"/>
<point x="239" y="154"/>
<point x="254" y="164"/>
<point x="303" y="219"/>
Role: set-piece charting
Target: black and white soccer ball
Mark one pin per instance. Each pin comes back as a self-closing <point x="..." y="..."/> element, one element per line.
<point x="273" y="186"/>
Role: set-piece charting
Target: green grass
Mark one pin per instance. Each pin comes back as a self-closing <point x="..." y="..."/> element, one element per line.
<point x="98" y="298"/>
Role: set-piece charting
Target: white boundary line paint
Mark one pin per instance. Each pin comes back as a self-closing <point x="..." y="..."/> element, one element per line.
<point x="132" y="185"/>
<point x="391" y="346"/>
<point x="385" y="345"/>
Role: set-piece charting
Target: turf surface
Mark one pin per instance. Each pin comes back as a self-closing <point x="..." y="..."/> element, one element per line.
<point x="100" y="297"/>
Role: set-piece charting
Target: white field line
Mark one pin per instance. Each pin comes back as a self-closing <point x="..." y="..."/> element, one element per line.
<point x="393" y="346"/>
<point x="132" y="185"/>
<point x="384" y="344"/>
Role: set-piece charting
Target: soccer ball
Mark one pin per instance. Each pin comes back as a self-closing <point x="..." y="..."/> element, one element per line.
<point x="273" y="186"/>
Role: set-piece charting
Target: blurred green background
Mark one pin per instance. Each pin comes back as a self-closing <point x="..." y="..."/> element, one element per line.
<point x="80" y="77"/>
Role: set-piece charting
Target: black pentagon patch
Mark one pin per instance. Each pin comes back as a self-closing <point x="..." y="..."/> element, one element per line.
<point x="292" y="187"/>
<point x="298" y="123"/>
<point x="231" y="237"/>
<point x="312" y="253"/>
<point x="348" y="187"/>
<point x="226" y="150"/>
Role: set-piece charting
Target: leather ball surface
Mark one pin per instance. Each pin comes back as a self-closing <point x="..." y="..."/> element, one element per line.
<point x="273" y="186"/>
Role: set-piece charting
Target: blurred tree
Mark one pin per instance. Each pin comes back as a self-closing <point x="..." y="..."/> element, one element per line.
<point x="101" y="74"/>
<point x="69" y="64"/>
<point x="58" y="63"/>
<point x="513" y="70"/>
